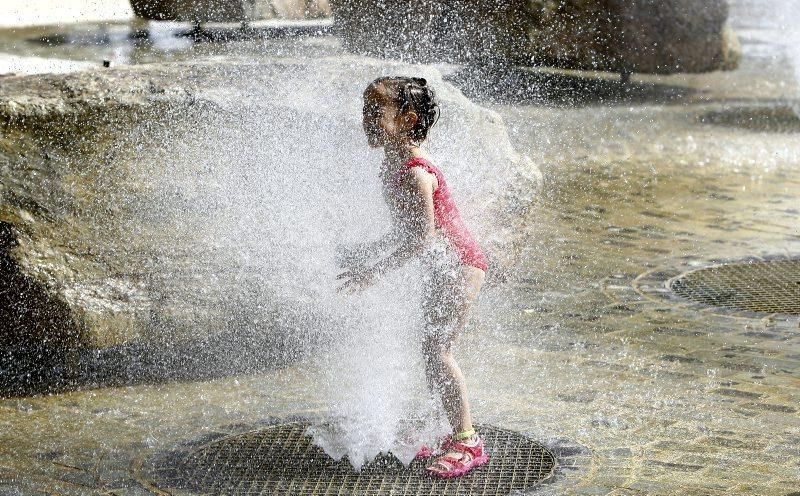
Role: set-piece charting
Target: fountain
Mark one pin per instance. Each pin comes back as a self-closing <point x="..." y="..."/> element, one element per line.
<point x="168" y="237"/>
<point x="267" y="171"/>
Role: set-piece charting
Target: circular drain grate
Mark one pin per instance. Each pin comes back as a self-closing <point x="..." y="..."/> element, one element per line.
<point x="281" y="460"/>
<point x="769" y="286"/>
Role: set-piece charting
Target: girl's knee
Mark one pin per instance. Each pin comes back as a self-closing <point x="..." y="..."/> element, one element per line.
<point x="473" y="282"/>
<point x="436" y="351"/>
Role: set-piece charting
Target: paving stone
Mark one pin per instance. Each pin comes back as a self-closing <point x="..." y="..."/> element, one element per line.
<point x="81" y="478"/>
<point x="681" y="467"/>
<point x="14" y="490"/>
<point x="737" y="393"/>
<point x="688" y="447"/>
<point x="592" y="490"/>
<point x="770" y="407"/>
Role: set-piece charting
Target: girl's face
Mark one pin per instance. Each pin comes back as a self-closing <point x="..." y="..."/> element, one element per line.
<point x="382" y="122"/>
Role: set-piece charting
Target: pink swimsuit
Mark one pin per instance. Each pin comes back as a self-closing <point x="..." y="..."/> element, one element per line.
<point x="448" y="219"/>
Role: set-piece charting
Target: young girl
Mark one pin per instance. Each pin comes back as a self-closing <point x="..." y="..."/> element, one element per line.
<point x="398" y="112"/>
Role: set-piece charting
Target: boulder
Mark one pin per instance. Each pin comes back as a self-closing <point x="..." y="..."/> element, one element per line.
<point x="189" y="213"/>
<point x="612" y="35"/>
<point x="633" y="35"/>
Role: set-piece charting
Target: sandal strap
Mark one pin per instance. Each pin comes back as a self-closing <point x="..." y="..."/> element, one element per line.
<point x="446" y="463"/>
<point x="473" y="451"/>
<point x="452" y="459"/>
<point x="450" y="462"/>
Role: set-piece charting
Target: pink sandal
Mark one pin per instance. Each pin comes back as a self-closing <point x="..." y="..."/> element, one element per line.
<point x="460" y="459"/>
<point x="427" y="451"/>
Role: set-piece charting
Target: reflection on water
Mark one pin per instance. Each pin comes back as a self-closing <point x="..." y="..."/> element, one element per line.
<point x="775" y="118"/>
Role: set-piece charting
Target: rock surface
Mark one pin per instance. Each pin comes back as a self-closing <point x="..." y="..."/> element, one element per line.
<point x="624" y="36"/>
<point x="148" y="207"/>
<point x="229" y="11"/>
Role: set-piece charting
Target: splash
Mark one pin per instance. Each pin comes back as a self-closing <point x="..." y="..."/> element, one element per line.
<point x="270" y="180"/>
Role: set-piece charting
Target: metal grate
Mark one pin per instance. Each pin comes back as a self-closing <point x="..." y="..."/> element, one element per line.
<point x="282" y="460"/>
<point x="769" y="287"/>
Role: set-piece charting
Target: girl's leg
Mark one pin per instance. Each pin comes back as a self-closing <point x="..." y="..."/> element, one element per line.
<point x="447" y="380"/>
<point x="443" y="373"/>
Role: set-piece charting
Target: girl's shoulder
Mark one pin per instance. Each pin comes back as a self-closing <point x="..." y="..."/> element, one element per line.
<point x="423" y="164"/>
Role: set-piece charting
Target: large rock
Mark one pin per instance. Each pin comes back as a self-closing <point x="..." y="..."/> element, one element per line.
<point x="161" y="206"/>
<point x="614" y="35"/>
<point x="633" y="35"/>
<point x="229" y="10"/>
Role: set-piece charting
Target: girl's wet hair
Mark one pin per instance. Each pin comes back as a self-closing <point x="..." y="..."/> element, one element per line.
<point x="413" y="93"/>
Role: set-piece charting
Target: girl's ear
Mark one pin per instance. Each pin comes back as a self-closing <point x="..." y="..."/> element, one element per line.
<point x="410" y="119"/>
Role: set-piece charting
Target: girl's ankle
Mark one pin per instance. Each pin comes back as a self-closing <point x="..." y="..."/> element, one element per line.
<point x="467" y="437"/>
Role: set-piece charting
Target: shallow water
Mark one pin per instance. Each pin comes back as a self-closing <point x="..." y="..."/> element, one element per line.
<point x="664" y="399"/>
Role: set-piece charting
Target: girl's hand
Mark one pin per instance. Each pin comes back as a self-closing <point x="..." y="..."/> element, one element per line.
<point x="356" y="280"/>
<point x="350" y="257"/>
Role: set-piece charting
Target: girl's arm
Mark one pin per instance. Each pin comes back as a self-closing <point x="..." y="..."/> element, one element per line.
<point x="418" y="226"/>
<point x="357" y="255"/>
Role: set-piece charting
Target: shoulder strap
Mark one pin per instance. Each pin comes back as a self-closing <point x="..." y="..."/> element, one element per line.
<point x="419" y="162"/>
<point x="425" y="164"/>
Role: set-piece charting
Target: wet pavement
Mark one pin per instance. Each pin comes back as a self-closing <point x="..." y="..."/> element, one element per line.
<point x="669" y="398"/>
<point x="651" y="395"/>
